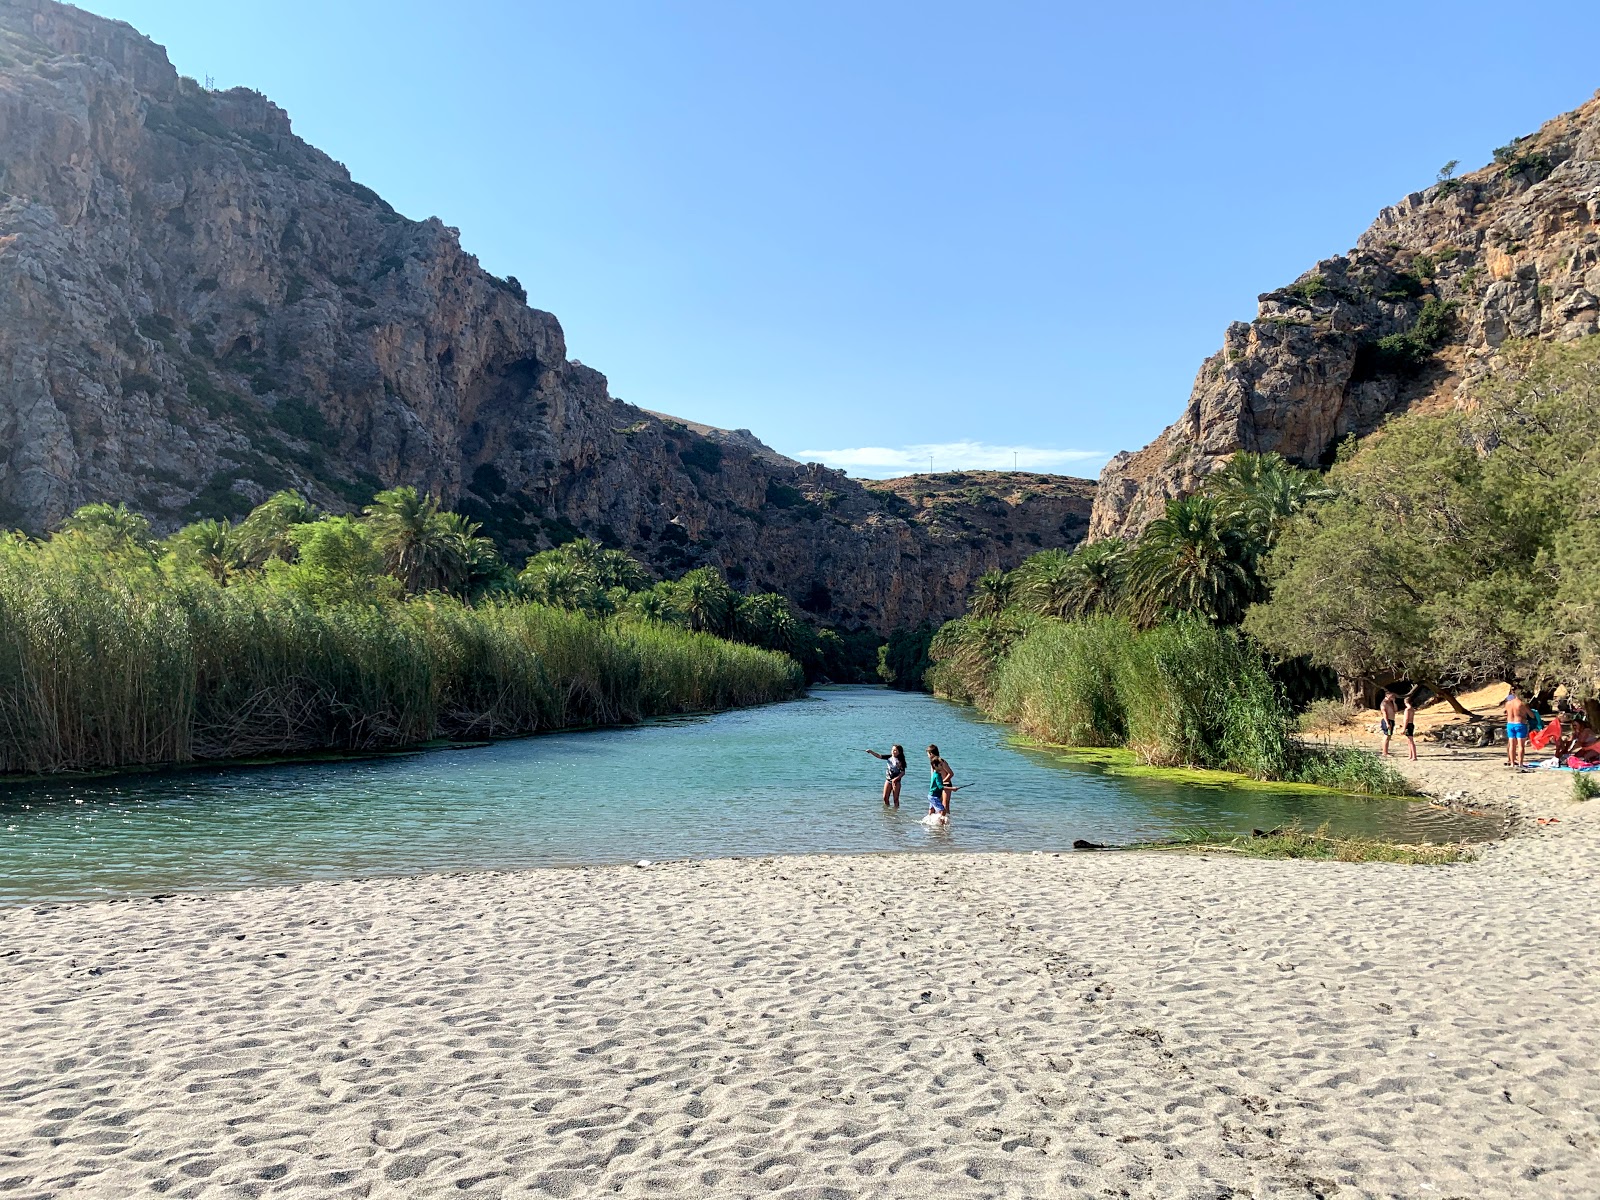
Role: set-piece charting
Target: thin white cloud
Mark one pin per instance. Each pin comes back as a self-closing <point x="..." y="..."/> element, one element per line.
<point x="886" y="461"/>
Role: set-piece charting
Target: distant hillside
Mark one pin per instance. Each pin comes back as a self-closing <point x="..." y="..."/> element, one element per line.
<point x="1019" y="509"/>
<point x="197" y="308"/>
<point x="1413" y="316"/>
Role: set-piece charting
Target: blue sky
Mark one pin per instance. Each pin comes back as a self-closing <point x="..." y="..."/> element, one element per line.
<point x="874" y="231"/>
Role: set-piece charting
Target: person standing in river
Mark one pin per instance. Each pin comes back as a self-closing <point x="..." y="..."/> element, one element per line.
<point x="894" y="774"/>
<point x="941" y="783"/>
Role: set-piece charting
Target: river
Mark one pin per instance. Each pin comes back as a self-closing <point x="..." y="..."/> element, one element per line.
<point x="783" y="779"/>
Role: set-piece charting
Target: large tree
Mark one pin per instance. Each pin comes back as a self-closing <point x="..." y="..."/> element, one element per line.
<point x="1458" y="547"/>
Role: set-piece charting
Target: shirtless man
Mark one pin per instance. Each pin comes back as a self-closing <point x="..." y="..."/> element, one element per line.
<point x="1518" y="716"/>
<point x="1388" y="708"/>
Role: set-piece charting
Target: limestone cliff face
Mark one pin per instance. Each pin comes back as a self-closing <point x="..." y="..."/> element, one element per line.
<point x="1510" y="251"/>
<point x="197" y="308"/>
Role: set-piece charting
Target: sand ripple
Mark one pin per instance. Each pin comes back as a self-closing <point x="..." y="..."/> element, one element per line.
<point x="985" y="1026"/>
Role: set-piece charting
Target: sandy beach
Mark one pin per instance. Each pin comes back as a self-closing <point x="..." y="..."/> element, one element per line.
<point x="1124" y="1024"/>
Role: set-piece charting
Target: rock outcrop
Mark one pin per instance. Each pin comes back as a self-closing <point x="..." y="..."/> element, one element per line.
<point x="1013" y="509"/>
<point x="1413" y="316"/>
<point x="197" y="308"/>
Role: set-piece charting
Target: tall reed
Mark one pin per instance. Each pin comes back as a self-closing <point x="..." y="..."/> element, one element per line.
<point x="110" y="661"/>
<point x="1186" y="692"/>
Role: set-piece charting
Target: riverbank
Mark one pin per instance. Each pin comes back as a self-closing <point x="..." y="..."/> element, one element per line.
<point x="987" y="1025"/>
<point x="1463" y="777"/>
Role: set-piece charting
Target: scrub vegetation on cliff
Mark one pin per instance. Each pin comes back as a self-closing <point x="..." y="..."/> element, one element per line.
<point x="295" y="632"/>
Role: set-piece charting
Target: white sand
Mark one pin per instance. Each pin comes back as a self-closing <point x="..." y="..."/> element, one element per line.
<point x="1147" y="1025"/>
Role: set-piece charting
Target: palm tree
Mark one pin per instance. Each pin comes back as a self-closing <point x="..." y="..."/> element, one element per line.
<point x="768" y="620"/>
<point x="654" y="604"/>
<point x="1055" y="583"/>
<point x="264" y="534"/>
<point x="213" y="546"/>
<point x="1047" y="583"/>
<point x="111" y="527"/>
<point x="1102" y="570"/>
<point x="476" y="562"/>
<point x="991" y="594"/>
<point x="1192" y="560"/>
<point x="420" y="549"/>
<point x="1261" y="492"/>
<point x="556" y="582"/>
<point x="705" y="600"/>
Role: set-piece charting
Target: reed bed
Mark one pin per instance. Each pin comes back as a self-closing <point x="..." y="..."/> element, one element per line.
<point x="1183" y="693"/>
<point x="107" y="663"/>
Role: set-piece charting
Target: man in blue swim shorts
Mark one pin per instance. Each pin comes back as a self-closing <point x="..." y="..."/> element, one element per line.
<point x="1518" y="716"/>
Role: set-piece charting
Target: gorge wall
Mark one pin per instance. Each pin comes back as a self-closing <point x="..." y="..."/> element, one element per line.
<point x="1413" y="316"/>
<point x="197" y="308"/>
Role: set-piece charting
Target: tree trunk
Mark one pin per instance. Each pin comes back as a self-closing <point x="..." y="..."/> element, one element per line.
<point x="1449" y="698"/>
<point x="1358" y="693"/>
<point x="1591" y="710"/>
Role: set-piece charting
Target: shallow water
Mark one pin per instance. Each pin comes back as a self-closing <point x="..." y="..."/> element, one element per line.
<point x="784" y="779"/>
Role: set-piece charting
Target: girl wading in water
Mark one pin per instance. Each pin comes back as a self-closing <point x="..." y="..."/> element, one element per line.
<point x="894" y="773"/>
<point x="941" y="786"/>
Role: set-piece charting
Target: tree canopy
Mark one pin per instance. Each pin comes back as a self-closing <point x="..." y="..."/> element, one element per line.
<point x="1461" y="546"/>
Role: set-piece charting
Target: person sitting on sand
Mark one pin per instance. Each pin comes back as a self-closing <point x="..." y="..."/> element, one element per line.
<point x="1387" y="709"/>
<point x="1410" y="726"/>
<point x="1583" y="744"/>
<point x="1518" y="715"/>
<point x="940" y="785"/>
<point x="894" y="773"/>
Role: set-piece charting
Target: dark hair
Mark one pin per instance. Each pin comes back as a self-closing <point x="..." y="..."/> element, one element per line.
<point x="933" y="751"/>
<point x="899" y="751"/>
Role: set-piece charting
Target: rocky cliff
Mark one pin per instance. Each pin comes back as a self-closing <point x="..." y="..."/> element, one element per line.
<point x="1413" y="316"/>
<point x="197" y="308"/>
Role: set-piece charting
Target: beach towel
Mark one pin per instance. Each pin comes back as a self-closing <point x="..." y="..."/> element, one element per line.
<point x="1548" y="736"/>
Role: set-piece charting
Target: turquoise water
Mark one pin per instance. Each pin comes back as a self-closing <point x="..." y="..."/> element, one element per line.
<point x="784" y="779"/>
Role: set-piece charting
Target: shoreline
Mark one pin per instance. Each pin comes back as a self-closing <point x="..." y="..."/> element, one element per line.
<point x="1007" y="1024"/>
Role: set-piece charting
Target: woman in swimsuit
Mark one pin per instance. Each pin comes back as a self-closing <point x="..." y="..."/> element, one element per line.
<point x="940" y="791"/>
<point x="894" y="773"/>
<point x="1584" y="745"/>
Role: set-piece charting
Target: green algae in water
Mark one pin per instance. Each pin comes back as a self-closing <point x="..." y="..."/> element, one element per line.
<point x="1116" y="760"/>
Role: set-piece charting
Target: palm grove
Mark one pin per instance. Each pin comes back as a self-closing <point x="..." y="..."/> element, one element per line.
<point x="1449" y="548"/>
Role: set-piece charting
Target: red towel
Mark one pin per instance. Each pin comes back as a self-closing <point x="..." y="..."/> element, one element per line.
<point x="1547" y="736"/>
